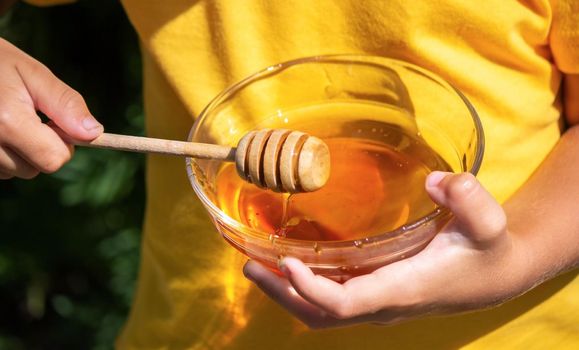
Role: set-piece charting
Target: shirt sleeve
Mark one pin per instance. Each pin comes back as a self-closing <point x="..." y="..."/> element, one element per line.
<point x="564" y="36"/>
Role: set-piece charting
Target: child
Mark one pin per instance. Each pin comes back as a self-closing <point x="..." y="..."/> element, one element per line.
<point x="509" y="57"/>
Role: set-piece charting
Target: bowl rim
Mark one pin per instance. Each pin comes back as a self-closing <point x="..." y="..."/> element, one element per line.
<point x="339" y="58"/>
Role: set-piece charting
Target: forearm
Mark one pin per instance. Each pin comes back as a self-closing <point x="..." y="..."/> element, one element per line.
<point x="543" y="215"/>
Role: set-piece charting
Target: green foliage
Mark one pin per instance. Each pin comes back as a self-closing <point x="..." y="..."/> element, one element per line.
<point x="69" y="242"/>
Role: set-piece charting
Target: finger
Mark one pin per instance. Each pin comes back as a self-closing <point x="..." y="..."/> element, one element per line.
<point x="11" y="164"/>
<point x="474" y="208"/>
<point x="35" y="142"/>
<point x="277" y="288"/>
<point x="385" y="295"/>
<point x="5" y="176"/>
<point x="280" y="290"/>
<point x="66" y="138"/>
<point x="62" y="104"/>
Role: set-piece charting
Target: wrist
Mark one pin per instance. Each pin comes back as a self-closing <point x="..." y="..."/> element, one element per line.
<point x="524" y="269"/>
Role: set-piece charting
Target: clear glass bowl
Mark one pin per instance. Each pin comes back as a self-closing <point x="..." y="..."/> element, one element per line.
<point x="435" y="110"/>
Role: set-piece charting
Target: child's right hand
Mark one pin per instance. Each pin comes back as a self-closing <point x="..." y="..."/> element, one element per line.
<point x="27" y="145"/>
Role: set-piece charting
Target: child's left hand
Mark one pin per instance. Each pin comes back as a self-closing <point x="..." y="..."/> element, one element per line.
<point x="474" y="263"/>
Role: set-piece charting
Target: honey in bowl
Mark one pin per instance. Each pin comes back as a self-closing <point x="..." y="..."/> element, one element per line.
<point x="388" y="122"/>
<point x="376" y="184"/>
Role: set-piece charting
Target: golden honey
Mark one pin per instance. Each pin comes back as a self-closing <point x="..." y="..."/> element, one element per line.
<point x="376" y="184"/>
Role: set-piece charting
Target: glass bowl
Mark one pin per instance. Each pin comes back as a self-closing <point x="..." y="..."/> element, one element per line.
<point x="358" y="88"/>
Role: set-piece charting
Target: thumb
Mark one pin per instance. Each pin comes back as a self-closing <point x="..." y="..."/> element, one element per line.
<point x="62" y="104"/>
<point x="475" y="210"/>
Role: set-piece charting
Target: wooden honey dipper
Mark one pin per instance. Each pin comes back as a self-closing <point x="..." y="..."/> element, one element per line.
<point x="279" y="159"/>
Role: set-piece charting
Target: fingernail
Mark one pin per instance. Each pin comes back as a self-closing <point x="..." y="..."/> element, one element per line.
<point x="283" y="268"/>
<point x="90" y="124"/>
<point x="469" y="183"/>
<point x="435" y="177"/>
<point x="249" y="276"/>
<point x="247" y="270"/>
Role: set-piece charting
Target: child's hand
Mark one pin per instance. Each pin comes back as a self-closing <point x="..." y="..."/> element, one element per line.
<point x="28" y="146"/>
<point x="473" y="263"/>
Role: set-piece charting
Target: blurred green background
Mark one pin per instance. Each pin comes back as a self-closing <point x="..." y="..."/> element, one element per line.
<point x="69" y="242"/>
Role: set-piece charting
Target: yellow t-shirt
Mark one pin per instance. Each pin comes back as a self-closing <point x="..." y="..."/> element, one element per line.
<point x="506" y="56"/>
